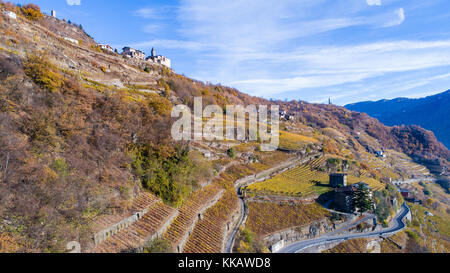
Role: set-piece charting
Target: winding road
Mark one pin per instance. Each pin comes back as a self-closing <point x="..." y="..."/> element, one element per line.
<point x="398" y="225"/>
<point x="230" y="241"/>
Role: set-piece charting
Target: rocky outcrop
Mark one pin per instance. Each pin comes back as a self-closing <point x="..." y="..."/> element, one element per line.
<point x="299" y="233"/>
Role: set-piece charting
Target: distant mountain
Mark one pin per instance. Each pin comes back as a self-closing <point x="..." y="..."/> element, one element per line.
<point x="431" y="113"/>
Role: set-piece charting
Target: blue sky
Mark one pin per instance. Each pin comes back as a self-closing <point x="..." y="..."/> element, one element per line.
<point x="346" y="50"/>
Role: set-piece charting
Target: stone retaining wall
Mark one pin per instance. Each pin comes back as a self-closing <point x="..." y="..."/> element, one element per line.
<point x="228" y="229"/>
<point x="159" y="232"/>
<point x="116" y="228"/>
<point x="182" y="244"/>
<point x="299" y="233"/>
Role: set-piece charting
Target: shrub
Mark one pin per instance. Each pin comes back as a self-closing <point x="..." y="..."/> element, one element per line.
<point x="248" y="235"/>
<point x="43" y="72"/>
<point x="96" y="48"/>
<point x="159" y="104"/>
<point x="415" y="223"/>
<point x="32" y="12"/>
<point x="167" y="172"/>
<point x="250" y="243"/>
<point x="166" y="91"/>
<point x="412" y="235"/>
<point x="231" y="153"/>
<point x="158" y="245"/>
<point x="60" y="166"/>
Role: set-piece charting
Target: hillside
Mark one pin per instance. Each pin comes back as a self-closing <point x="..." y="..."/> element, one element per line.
<point x="85" y="154"/>
<point x="429" y="113"/>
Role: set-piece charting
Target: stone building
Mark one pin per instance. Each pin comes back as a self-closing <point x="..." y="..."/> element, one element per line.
<point x="133" y="53"/>
<point x="343" y="197"/>
<point x="406" y="193"/>
<point x="338" y="180"/>
<point x="106" y="47"/>
<point x="159" y="59"/>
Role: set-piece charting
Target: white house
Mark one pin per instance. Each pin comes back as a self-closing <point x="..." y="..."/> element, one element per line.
<point x="133" y="53"/>
<point x="11" y="14"/>
<point x="106" y="47"/>
<point x="71" y="40"/>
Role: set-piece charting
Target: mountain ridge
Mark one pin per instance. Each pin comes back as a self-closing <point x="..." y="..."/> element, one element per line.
<point x="428" y="112"/>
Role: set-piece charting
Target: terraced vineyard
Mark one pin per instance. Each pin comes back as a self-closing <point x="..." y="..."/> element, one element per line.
<point x="299" y="181"/>
<point x="266" y="218"/>
<point x="143" y="201"/>
<point x="304" y="181"/>
<point x="188" y="215"/>
<point x="373" y="183"/>
<point x="131" y="238"/>
<point x="208" y="234"/>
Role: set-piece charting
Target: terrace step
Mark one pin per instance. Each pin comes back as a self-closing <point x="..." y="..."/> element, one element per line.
<point x="109" y="225"/>
<point x="190" y="213"/>
<point x="150" y="226"/>
<point x="209" y="233"/>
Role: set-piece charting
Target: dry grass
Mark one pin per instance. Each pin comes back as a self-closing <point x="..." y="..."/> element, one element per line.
<point x="266" y="218"/>
<point x="292" y="141"/>
<point x="8" y="244"/>
<point x="351" y="246"/>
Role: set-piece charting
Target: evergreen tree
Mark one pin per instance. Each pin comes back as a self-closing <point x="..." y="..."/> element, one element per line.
<point x="362" y="200"/>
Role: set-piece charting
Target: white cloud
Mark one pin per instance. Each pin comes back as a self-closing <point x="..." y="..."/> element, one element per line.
<point x="373" y="2"/>
<point x="401" y="15"/>
<point x="333" y="66"/>
<point x="151" y="28"/>
<point x="146" y="13"/>
<point x="289" y="46"/>
<point x="73" y="2"/>
<point x="400" y="18"/>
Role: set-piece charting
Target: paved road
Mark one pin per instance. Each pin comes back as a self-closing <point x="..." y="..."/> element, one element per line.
<point x="230" y="241"/>
<point x="399" y="224"/>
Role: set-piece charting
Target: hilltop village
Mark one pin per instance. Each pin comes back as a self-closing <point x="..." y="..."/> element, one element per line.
<point x="127" y="52"/>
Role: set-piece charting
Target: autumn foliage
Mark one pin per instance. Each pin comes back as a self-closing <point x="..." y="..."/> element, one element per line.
<point x="32" y="12"/>
<point x="43" y="72"/>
